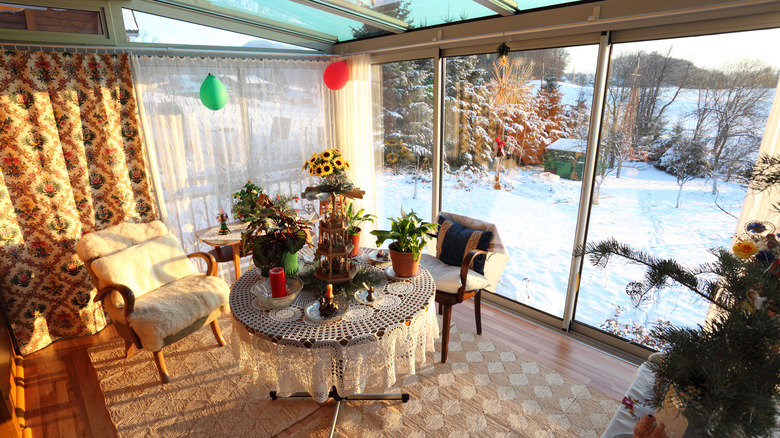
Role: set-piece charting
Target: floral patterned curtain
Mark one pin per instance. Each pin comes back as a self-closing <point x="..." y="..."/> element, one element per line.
<point x="72" y="162"/>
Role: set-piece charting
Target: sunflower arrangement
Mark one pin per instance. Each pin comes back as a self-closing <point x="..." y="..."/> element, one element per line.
<point x="332" y="167"/>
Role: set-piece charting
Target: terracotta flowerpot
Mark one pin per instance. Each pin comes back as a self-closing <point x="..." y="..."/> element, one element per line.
<point x="404" y="264"/>
<point x="355" y="243"/>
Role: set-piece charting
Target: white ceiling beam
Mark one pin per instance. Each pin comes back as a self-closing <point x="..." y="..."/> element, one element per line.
<point x="503" y="7"/>
<point x="358" y="13"/>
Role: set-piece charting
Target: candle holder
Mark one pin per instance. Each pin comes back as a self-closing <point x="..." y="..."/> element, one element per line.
<point x="222" y="217"/>
<point x="328" y="307"/>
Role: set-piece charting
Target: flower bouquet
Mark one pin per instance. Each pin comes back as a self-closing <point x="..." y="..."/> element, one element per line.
<point x="332" y="167"/>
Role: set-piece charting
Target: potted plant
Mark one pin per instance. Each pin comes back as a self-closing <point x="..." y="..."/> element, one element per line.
<point x="275" y="235"/>
<point x="409" y="234"/>
<point x="246" y="202"/>
<point x="354" y="220"/>
<point x="723" y="377"/>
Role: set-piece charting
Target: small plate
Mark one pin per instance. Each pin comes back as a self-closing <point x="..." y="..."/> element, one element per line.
<point x="262" y="290"/>
<point x="373" y="257"/>
<point x="313" y="312"/>
<point x="389" y="273"/>
<point x="361" y="295"/>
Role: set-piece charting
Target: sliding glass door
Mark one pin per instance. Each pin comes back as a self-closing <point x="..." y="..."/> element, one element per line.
<point x="684" y="120"/>
<point x="514" y="147"/>
<point x="403" y="141"/>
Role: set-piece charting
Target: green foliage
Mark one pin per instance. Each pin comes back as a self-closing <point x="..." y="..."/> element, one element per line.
<point x="245" y="206"/>
<point x="364" y="274"/>
<point x="408" y="232"/>
<point x="765" y="174"/>
<point x="355" y="218"/>
<point x="274" y="230"/>
<point x="724" y="375"/>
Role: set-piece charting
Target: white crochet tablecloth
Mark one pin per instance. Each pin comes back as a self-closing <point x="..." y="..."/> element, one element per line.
<point x="367" y="349"/>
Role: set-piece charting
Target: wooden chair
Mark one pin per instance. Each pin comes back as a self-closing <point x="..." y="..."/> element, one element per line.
<point x="150" y="288"/>
<point x="459" y="241"/>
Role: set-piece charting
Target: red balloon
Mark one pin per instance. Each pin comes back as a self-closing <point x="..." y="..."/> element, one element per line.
<point x="336" y="75"/>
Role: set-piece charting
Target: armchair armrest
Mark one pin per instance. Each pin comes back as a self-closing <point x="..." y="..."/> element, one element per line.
<point x="127" y="295"/>
<point x="211" y="262"/>
<point x="494" y="266"/>
<point x="468" y="261"/>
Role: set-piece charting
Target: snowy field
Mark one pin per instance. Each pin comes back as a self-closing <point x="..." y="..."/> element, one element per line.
<point x="536" y="220"/>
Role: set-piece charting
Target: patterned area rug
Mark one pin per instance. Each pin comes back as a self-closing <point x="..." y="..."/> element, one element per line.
<point x="482" y="390"/>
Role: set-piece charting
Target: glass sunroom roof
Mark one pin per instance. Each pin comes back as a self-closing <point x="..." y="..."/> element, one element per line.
<point x="335" y="21"/>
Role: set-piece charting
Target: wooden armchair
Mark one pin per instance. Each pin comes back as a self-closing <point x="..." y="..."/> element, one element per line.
<point x="150" y="289"/>
<point x="469" y="259"/>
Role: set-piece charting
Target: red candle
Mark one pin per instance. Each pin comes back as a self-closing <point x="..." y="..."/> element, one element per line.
<point x="278" y="287"/>
<point x="329" y="291"/>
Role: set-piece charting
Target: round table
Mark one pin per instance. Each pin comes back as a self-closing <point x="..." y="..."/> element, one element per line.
<point x="226" y="246"/>
<point x="367" y="348"/>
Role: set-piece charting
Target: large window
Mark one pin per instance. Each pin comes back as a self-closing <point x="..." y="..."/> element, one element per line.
<point x="514" y="148"/>
<point x="404" y="140"/>
<point x="684" y="119"/>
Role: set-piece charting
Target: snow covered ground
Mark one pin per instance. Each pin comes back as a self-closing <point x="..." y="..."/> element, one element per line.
<point x="537" y="217"/>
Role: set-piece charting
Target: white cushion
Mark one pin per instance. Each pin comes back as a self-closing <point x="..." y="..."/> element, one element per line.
<point x="447" y="277"/>
<point x="117" y="238"/>
<point x="175" y="306"/>
<point x="145" y="267"/>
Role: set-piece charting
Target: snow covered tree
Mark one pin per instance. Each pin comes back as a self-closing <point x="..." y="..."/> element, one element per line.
<point x="407" y="113"/>
<point x="467" y="117"/>
<point x="552" y="111"/>
<point x="514" y="107"/>
<point x="686" y="160"/>
<point x="733" y="102"/>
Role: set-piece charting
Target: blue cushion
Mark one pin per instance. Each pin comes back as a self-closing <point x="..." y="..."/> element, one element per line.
<point x="455" y="241"/>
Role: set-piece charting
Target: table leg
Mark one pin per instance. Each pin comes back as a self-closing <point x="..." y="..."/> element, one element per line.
<point x="334" y="394"/>
<point x="237" y="259"/>
<point x="335" y="417"/>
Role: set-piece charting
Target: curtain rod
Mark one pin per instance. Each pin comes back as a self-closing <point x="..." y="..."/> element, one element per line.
<point x="8" y="45"/>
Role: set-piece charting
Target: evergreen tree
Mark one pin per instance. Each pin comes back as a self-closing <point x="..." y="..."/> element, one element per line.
<point x="467" y="118"/>
<point x="407" y="113"/>
<point x="552" y="111"/>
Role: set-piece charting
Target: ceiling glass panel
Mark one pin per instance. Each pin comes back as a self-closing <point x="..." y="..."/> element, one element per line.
<point x="527" y="5"/>
<point x="290" y="12"/>
<point x="424" y="13"/>
<point x="147" y="28"/>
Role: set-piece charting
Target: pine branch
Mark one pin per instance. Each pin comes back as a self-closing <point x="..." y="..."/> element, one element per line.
<point x="659" y="272"/>
<point x="765" y="174"/>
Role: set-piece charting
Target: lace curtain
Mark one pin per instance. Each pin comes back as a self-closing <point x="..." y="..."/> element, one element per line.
<point x="758" y="206"/>
<point x="278" y="114"/>
<point x="351" y="123"/>
<point x="72" y="162"/>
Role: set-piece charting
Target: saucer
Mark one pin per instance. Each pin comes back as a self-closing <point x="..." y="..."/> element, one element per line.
<point x="373" y="257"/>
<point x="312" y="313"/>
<point x="262" y="290"/>
<point x="361" y="295"/>
<point x="389" y="273"/>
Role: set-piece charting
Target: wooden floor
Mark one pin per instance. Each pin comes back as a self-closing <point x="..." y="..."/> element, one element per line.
<point x="63" y="398"/>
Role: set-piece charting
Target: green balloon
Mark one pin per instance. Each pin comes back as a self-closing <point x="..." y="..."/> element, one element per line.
<point x="213" y="93"/>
